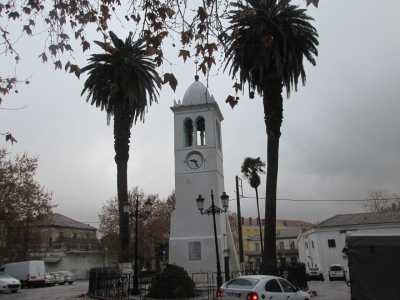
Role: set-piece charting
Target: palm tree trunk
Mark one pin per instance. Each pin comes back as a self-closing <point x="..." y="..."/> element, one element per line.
<point x="122" y="126"/>
<point x="273" y="107"/>
<point x="259" y="223"/>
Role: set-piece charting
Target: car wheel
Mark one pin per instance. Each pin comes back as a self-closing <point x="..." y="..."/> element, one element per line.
<point x="330" y="278"/>
<point x="70" y="283"/>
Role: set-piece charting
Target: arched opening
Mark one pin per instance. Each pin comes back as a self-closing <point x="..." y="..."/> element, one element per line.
<point x="219" y="143"/>
<point x="188" y="131"/>
<point x="201" y="131"/>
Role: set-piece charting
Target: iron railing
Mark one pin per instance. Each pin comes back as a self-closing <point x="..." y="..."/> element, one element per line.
<point x="109" y="283"/>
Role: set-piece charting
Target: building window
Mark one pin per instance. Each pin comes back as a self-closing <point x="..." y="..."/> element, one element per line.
<point x="282" y="245"/>
<point x="201" y="131"/>
<point x="188" y="128"/>
<point x="306" y="245"/>
<point x="194" y="251"/>
<point x="312" y="244"/>
<point x="292" y="245"/>
<point x="331" y="243"/>
<point x="257" y="247"/>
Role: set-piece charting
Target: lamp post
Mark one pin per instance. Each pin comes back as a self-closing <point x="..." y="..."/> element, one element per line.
<point x="137" y="215"/>
<point x="213" y="210"/>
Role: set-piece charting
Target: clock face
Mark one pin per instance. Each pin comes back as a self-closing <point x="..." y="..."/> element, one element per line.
<point x="194" y="160"/>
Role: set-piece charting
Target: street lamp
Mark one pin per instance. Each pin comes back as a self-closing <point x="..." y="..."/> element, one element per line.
<point x="212" y="210"/>
<point x="137" y="215"/>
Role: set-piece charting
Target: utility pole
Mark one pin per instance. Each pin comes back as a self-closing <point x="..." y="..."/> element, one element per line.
<point x="241" y="258"/>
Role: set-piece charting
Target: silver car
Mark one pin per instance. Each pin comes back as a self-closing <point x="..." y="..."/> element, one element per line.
<point x="68" y="276"/>
<point x="260" y="287"/>
<point x="8" y="283"/>
<point x="58" y="277"/>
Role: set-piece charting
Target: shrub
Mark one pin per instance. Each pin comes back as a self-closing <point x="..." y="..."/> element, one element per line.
<point x="172" y="282"/>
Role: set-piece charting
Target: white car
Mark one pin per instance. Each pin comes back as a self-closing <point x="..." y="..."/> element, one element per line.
<point x="260" y="287"/>
<point x="8" y="283"/>
<point x="68" y="276"/>
<point x="314" y="273"/>
<point x="336" y="272"/>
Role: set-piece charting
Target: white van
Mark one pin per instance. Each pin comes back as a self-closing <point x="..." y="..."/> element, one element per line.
<point x="30" y="273"/>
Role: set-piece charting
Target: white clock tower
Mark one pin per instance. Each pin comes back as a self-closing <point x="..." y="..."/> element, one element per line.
<point x="198" y="170"/>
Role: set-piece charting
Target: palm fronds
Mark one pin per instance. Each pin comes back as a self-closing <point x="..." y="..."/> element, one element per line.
<point x="122" y="76"/>
<point x="268" y="39"/>
<point x="251" y="168"/>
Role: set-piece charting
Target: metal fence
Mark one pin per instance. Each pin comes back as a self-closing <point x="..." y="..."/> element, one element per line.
<point x="108" y="283"/>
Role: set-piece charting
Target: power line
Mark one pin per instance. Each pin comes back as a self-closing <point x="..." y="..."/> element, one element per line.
<point x="326" y="200"/>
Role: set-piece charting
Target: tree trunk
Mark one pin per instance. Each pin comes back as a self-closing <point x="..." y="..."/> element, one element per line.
<point x="273" y="107"/>
<point x="122" y="126"/>
<point x="259" y="222"/>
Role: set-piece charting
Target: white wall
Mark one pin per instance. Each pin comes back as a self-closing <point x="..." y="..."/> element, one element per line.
<point x="321" y="255"/>
<point x="187" y="224"/>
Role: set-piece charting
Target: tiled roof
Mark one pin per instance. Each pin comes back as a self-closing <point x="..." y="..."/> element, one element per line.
<point x="288" y="232"/>
<point x="253" y="221"/>
<point x="362" y="219"/>
<point x="59" y="220"/>
<point x="284" y="233"/>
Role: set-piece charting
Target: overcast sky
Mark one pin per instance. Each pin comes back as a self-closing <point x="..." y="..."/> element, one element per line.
<point x="340" y="136"/>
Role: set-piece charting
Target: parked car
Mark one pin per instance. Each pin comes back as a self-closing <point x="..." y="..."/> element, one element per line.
<point x="259" y="287"/>
<point x="336" y="272"/>
<point x="49" y="279"/>
<point x="30" y="272"/>
<point x="59" y="278"/>
<point x="8" y="283"/>
<point x="68" y="276"/>
<point x="314" y="273"/>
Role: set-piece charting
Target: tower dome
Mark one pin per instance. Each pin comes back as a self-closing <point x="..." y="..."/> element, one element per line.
<point x="197" y="93"/>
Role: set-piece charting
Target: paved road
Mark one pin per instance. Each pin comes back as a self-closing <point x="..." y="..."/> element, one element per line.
<point x="326" y="290"/>
<point x="58" y="292"/>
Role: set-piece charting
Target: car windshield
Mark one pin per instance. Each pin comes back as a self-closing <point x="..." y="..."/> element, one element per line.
<point x="4" y="275"/>
<point x="336" y="268"/>
<point x="242" y="283"/>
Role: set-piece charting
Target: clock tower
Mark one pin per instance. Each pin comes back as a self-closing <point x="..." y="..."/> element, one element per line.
<point x="198" y="170"/>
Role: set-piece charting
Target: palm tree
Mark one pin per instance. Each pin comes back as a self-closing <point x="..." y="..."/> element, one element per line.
<point x="123" y="82"/>
<point x="251" y="167"/>
<point x="266" y="44"/>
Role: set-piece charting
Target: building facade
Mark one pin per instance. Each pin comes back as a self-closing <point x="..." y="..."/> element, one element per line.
<point x="198" y="171"/>
<point x="323" y="245"/>
<point x="287" y="232"/>
<point x="67" y="244"/>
